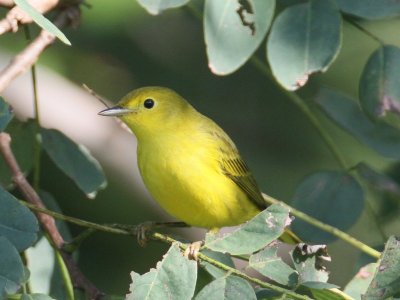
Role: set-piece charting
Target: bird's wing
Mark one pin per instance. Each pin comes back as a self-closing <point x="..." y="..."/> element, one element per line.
<point x="235" y="168"/>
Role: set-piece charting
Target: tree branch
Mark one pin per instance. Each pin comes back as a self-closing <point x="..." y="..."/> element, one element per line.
<point x="17" y="16"/>
<point x="47" y="221"/>
<point x="25" y="59"/>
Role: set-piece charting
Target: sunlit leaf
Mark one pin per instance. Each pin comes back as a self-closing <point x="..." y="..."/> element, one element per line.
<point x="156" y="7"/>
<point x="359" y="283"/>
<point x="174" y="278"/>
<point x="304" y="39"/>
<point x="379" y="85"/>
<point x="5" y="114"/>
<point x="11" y="268"/>
<point x="17" y="223"/>
<point x="227" y="288"/>
<point x="386" y="280"/>
<point x="74" y="160"/>
<point x="264" y="228"/>
<point x="381" y="137"/>
<point x="269" y="264"/>
<point x="39" y="19"/>
<point x="332" y="197"/>
<point x="233" y="30"/>
<point x="370" y="9"/>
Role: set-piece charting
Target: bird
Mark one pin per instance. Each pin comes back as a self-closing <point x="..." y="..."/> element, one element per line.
<point x="189" y="164"/>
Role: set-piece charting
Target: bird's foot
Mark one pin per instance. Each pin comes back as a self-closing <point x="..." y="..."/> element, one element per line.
<point x="192" y="251"/>
<point x="141" y="230"/>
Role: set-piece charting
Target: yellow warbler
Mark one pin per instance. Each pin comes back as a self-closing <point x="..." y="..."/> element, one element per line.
<point x="188" y="163"/>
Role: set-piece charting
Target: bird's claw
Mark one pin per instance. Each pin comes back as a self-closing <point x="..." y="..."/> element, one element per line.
<point x="141" y="232"/>
<point x="192" y="251"/>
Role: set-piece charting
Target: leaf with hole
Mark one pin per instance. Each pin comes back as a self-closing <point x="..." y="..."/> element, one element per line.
<point x="17" y="223"/>
<point x="264" y="228"/>
<point x="309" y="263"/>
<point x="233" y="30"/>
<point x="74" y="160"/>
<point x="386" y="280"/>
<point x="379" y="88"/>
<point x="174" y="278"/>
<point x="39" y="19"/>
<point x="304" y="39"/>
<point x="380" y="136"/>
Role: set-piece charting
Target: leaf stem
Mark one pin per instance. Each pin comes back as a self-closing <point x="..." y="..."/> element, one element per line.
<point x="364" y="30"/>
<point x="65" y="275"/>
<point x="166" y="239"/>
<point x="326" y="227"/>
<point x="299" y="102"/>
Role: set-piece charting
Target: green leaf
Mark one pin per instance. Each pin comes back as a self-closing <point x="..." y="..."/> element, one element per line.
<point x="266" y="294"/>
<point x="36" y="297"/>
<point x="17" y="223"/>
<point x="332" y="197"/>
<point x="381" y="137"/>
<point x="156" y="7"/>
<point x="264" y="228"/>
<point x="358" y="284"/>
<point x="5" y="114"/>
<point x="386" y="280"/>
<point x="174" y="278"/>
<point x="23" y="139"/>
<point x="269" y="264"/>
<point x="233" y="30"/>
<point x="11" y="268"/>
<point x="218" y="256"/>
<point x="370" y="9"/>
<point x="379" y="88"/>
<point x="74" y="160"/>
<point x="227" y="288"/>
<point x="309" y="263"/>
<point x="304" y="39"/>
<point x="39" y="19"/>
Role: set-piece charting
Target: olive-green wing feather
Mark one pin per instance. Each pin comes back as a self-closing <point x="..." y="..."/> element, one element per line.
<point x="236" y="169"/>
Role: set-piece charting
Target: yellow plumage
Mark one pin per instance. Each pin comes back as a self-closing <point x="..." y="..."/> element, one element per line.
<point x="188" y="163"/>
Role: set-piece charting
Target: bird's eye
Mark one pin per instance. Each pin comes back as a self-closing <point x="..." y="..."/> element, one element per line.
<point x="148" y="103"/>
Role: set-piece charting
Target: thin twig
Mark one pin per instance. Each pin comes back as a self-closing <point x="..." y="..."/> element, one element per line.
<point x="327" y="228"/>
<point x="166" y="239"/>
<point x="25" y="59"/>
<point x="45" y="220"/>
<point x="94" y="94"/>
<point x="17" y="16"/>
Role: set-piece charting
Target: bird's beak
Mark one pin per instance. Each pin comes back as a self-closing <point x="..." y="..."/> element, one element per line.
<point x="116" y="111"/>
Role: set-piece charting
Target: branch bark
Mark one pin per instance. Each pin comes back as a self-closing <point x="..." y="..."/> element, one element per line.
<point x="47" y="222"/>
<point x="25" y="59"/>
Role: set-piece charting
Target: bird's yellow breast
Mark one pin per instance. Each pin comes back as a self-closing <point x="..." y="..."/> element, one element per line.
<point x="182" y="172"/>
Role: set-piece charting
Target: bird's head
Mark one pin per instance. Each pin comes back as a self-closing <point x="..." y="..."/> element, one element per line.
<point x="151" y="110"/>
